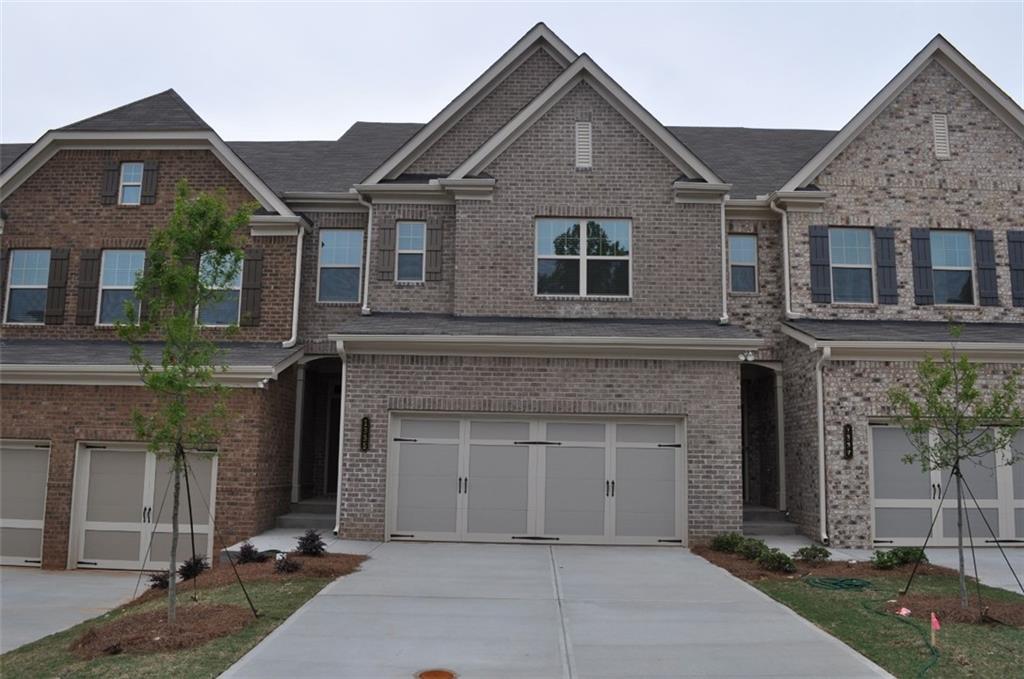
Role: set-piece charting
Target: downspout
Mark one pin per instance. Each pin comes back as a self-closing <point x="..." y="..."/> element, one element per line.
<point x="826" y="355"/>
<point x="724" y="320"/>
<point x="341" y="439"/>
<point x="366" y="270"/>
<point x="295" y="294"/>
<point x="785" y="257"/>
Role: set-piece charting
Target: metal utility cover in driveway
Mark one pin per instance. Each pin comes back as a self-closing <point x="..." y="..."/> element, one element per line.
<point x="486" y="610"/>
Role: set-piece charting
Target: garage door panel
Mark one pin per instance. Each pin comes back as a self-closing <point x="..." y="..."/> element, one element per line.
<point x="21" y="543"/>
<point x="427" y="519"/>
<point x="23" y="483"/>
<point x="428" y="459"/>
<point x="116" y="486"/>
<point x="427" y="492"/>
<point x="499" y="431"/>
<point x="645" y="433"/>
<point x="201" y="480"/>
<point x="496" y="521"/>
<point x="1017" y="469"/>
<point x="576" y="431"/>
<point x="642" y="524"/>
<point x="499" y="461"/>
<point x="574" y="463"/>
<point x="429" y="429"/>
<point x="894" y="522"/>
<point x="160" y="547"/>
<point x="979" y="474"/>
<point x="111" y="545"/>
<point x="561" y="522"/>
<point x="1018" y="515"/>
<point x="974" y="518"/>
<point x="895" y="479"/>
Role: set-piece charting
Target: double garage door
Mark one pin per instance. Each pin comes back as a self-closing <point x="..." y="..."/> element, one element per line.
<point x="576" y="480"/>
<point x="23" y="471"/>
<point x="907" y="499"/>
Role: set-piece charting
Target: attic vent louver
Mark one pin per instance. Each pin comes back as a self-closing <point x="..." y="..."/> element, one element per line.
<point x="940" y="132"/>
<point x="584" y="146"/>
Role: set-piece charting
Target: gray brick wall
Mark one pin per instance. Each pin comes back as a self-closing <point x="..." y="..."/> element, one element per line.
<point x="762" y="311"/>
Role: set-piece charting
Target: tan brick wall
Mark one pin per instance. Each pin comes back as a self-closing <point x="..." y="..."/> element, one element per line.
<point x="316" y="319"/>
<point x="799" y="398"/>
<point x="762" y="311"/>
<point x="707" y="394"/>
<point x="59" y="206"/>
<point x="254" y="461"/>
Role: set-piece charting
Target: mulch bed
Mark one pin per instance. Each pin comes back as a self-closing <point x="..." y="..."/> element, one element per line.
<point x="749" y="570"/>
<point x="947" y="609"/>
<point x="323" y="566"/>
<point x="149" y="632"/>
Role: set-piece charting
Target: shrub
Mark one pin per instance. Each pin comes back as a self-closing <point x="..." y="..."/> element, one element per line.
<point x="726" y="542"/>
<point x="813" y="554"/>
<point x="751" y="548"/>
<point x="775" y="560"/>
<point x="310" y="544"/>
<point x="248" y="553"/>
<point x="897" y="556"/>
<point x="191" y="568"/>
<point x="884" y="560"/>
<point x="284" y="565"/>
<point x="159" y="580"/>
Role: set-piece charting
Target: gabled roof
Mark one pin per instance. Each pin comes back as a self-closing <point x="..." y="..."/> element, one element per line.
<point x="584" y="69"/>
<point x="938" y="50"/>
<point x="164" y="111"/>
<point x="538" y="37"/>
<point x="10" y="153"/>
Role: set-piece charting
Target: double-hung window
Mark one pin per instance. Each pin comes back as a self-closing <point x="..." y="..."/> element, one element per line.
<point x="223" y="308"/>
<point x="850" y="253"/>
<point x="742" y="263"/>
<point x="118" y="272"/>
<point x="27" y="278"/>
<point x="130" y="190"/>
<point x="952" y="267"/>
<point x="341" y="256"/>
<point x="597" y="266"/>
<point x="411" y="252"/>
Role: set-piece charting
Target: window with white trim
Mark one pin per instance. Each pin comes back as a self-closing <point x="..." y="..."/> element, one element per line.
<point x="223" y="309"/>
<point x="130" y="190"/>
<point x="742" y="263"/>
<point x="952" y="267"/>
<point x="118" y="272"/>
<point x="341" y="265"/>
<point x="27" y="278"/>
<point x="597" y="267"/>
<point x="850" y="255"/>
<point x="411" y="252"/>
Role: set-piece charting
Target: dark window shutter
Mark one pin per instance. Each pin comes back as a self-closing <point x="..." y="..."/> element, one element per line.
<point x="985" y="263"/>
<point x="1015" y="245"/>
<point x="885" y="265"/>
<point x="4" y="252"/>
<point x="252" y="287"/>
<point x="57" y="286"/>
<point x="149" y="172"/>
<point x="111" y="180"/>
<point x="386" y="248"/>
<point x="88" y="286"/>
<point x="821" y="275"/>
<point x="435" y="244"/>
<point x="921" y="252"/>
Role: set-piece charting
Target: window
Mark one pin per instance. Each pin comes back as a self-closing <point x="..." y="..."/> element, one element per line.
<point x="599" y="268"/>
<point x="26" y="286"/>
<point x="742" y="263"/>
<point x="118" y="272"/>
<point x="223" y="309"/>
<point x="412" y="240"/>
<point x="130" y="191"/>
<point x="952" y="267"/>
<point x="852" y="274"/>
<point x="341" y="256"/>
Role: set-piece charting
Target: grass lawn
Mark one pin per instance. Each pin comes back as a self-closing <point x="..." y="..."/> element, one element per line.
<point x="50" y="657"/>
<point x="966" y="650"/>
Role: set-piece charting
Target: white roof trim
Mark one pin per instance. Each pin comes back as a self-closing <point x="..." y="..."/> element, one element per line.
<point x="582" y="69"/>
<point x="941" y="51"/>
<point x="1011" y="352"/>
<point x="540" y="36"/>
<point x="53" y="141"/>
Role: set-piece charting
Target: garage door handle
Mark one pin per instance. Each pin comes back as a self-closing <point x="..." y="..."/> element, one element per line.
<point x="670" y="445"/>
<point x="537" y="443"/>
<point x="607" y="489"/>
<point x="613" y="489"/>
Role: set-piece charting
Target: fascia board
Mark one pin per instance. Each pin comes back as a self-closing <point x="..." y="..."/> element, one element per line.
<point x="904" y="350"/>
<point x="405" y="193"/>
<point x="476" y="91"/>
<point x="128" y="375"/>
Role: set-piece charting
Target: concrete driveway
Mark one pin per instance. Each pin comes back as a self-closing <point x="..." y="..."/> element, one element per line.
<point x="543" y="611"/>
<point x="36" y="603"/>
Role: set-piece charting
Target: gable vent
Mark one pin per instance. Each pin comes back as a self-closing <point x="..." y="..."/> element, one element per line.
<point x="940" y="132"/>
<point x="584" y="146"/>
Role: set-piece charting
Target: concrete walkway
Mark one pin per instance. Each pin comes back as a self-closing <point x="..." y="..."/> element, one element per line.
<point x="543" y="611"/>
<point x="36" y="603"/>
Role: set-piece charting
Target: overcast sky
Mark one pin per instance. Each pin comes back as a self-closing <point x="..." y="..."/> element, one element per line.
<point x="309" y="70"/>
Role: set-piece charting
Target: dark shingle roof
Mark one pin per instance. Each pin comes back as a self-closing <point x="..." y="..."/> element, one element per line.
<point x="85" y="352"/>
<point x="382" y="323"/>
<point x="907" y="331"/>
<point x="315" y="166"/>
<point x="754" y="161"/>
<point x="162" y="112"/>
<point x="9" y="153"/>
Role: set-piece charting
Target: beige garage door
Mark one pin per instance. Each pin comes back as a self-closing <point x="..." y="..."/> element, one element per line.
<point x="23" y="470"/>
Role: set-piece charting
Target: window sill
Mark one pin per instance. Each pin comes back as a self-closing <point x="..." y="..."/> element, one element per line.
<point x="341" y="304"/>
<point x="584" y="298"/>
<point x="754" y="293"/>
<point x="854" y="305"/>
<point x="411" y="284"/>
<point x="20" y="324"/>
<point x="130" y="206"/>
<point x="958" y="307"/>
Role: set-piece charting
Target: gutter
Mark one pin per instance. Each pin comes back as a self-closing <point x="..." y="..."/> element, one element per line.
<point x="826" y="355"/>
<point x="724" y="320"/>
<point x="366" y="271"/>
<point x="291" y="341"/>
<point x="785" y="256"/>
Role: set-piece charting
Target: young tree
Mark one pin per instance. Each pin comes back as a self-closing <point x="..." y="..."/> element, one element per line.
<point x="188" y="264"/>
<point x="949" y="419"/>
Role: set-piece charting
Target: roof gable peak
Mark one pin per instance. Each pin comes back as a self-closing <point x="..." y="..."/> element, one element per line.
<point x="164" y="111"/>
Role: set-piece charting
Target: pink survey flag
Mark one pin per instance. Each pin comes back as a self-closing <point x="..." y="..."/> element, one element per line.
<point x="935" y="622"/>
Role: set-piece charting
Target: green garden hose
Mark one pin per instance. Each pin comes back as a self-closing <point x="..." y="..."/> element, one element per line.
<point x="836" y="584"/>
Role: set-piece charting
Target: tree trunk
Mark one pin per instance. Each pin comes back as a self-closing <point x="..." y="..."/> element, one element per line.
<point x="172" y="576"/>
<point x="960" y="535"/>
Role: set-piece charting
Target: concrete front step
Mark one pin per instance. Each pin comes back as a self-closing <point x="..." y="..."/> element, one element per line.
<point x="769" y="528"/>
<point x="762" y="514"/>
<point x="315" y="506"/>
<point x="306" y="520"/>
